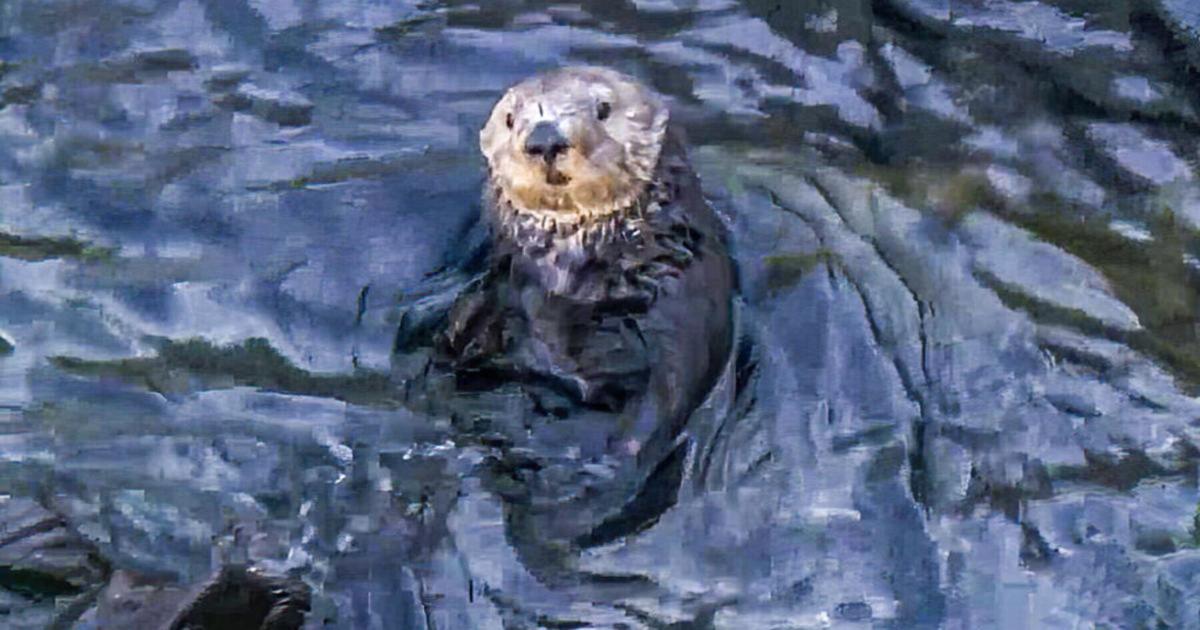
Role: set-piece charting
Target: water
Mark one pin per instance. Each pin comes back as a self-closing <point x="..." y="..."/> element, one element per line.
<point x="967" y="238"/>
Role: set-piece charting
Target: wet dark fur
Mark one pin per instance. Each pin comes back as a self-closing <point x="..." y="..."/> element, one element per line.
<point x="634" y="341"/>
<point x="646" y="311"/>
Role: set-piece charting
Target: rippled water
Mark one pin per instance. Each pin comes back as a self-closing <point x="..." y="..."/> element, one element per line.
<point x="967" y="235"/>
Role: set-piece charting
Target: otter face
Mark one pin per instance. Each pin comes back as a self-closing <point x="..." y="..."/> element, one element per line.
<point x="575" y="141"/>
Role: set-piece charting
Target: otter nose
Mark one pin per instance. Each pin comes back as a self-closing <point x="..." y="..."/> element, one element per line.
<point x="545" y="141"/>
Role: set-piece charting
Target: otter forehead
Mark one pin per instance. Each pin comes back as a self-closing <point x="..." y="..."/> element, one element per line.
<point x="566" y="93"/>
<point x="568" y="90"/>
<point x="574" y="140"/>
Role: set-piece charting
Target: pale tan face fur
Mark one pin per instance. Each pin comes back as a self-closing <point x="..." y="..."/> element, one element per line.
<point x="613" y="130"/>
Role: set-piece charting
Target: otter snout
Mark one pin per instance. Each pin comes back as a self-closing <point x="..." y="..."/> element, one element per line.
<point x="546" y="142"/>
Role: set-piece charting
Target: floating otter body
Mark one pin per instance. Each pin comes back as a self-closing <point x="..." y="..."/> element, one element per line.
<point x="609" y="290"/>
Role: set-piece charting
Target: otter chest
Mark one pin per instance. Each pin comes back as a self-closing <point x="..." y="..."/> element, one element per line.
<point x="578" y="306"/>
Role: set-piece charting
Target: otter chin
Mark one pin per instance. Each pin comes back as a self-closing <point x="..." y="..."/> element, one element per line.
<point x="609" y="285"/>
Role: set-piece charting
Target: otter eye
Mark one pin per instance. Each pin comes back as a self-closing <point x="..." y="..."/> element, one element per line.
<point x="508" y="120"/>
<point x="603" y="110"/>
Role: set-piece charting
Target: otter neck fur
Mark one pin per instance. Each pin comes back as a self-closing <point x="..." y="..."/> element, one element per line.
<point x="563" y="251"/>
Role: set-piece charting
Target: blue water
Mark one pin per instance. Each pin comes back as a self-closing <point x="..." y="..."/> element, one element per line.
<point x="967" y="239"/>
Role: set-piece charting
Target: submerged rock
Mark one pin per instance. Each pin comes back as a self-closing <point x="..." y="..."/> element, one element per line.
<point x="233" y="599"/>
<point x="48" y="573"/>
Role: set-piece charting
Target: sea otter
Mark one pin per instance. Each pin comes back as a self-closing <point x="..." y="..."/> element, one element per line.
<point x="609" y="293"/>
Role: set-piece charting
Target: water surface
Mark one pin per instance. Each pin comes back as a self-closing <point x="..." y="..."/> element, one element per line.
<point x="967" y="234"/>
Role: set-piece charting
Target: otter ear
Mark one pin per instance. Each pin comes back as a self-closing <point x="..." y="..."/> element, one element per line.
<point x="650" y="116"/>
<point x="495" y="131"/>
<point x="658" y="124"/>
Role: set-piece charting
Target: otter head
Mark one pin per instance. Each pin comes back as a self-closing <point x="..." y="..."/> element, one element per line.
<point x="574" y="143"/>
